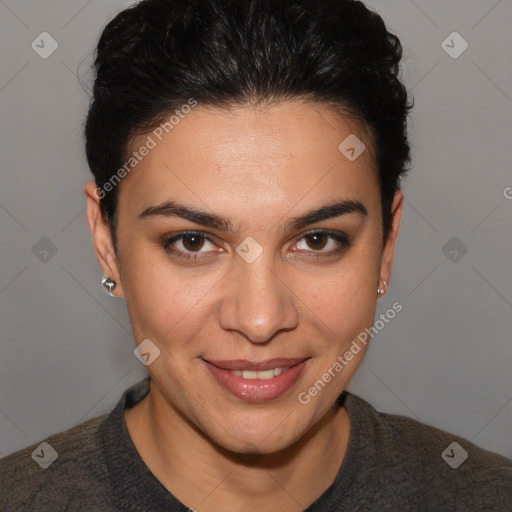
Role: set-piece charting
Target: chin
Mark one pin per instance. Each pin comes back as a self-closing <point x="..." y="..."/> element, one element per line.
<point x="257" y="445"/>
<point x="250" y="436"/>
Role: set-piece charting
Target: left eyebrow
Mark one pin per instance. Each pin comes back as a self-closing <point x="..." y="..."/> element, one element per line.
<point x="213" y="221"/>
<point x="330" y="211"/>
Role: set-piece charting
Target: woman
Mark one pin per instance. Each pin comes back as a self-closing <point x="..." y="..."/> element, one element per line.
<point x="246" y="203"/>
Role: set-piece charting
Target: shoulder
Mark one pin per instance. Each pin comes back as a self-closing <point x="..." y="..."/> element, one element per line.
<point x="45" y="475"/>
<point x="414" y="455"/>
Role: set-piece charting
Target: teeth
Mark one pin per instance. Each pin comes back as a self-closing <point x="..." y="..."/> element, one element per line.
<point x="264" y="375"/>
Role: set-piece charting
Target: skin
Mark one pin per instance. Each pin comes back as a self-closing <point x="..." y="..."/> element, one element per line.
<point x="258" y="167"/>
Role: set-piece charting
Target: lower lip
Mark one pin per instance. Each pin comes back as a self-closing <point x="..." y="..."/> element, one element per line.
<point x="257" y="390"/>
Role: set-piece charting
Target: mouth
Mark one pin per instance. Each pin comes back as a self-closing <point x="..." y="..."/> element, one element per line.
<point x="257" y="381"/>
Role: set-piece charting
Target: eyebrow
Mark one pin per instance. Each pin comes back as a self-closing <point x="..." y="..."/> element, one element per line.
<point x="213" y="221"/>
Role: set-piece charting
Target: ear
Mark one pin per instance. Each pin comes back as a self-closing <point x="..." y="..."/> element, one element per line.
<point x="101" y="238"/>
<point x="388" y="252"/>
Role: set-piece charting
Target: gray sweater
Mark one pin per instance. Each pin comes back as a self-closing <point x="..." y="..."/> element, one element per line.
<point x="393" y="463"/>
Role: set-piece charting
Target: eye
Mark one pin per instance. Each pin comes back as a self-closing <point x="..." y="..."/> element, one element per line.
<point x="324" y="242"/>
<point x="188" y="244"/>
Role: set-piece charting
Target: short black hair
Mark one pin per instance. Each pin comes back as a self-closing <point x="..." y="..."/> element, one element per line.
<point x="153" y="57"/>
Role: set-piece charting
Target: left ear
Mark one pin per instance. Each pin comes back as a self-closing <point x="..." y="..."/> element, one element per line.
<point x="388" y="252"/>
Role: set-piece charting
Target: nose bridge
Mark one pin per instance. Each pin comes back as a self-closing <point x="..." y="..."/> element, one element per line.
<point x="259" y="303"/>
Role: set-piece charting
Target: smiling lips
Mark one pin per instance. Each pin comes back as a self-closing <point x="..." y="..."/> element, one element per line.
<point x="257" y="382"/>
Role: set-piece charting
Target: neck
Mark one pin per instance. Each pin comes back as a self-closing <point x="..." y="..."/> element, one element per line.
<point x="208" y="478"/>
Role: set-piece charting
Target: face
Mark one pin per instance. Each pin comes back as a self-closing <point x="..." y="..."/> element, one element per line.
<point x="255" y="282"/>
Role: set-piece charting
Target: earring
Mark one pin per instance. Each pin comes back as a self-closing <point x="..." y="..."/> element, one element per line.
<point x="109" y="285"/>
<point x="379" y="291"/>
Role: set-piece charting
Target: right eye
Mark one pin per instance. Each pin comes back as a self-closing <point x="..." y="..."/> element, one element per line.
<point x="191" y="243"/>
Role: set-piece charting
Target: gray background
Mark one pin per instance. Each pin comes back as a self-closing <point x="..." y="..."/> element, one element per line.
<point x="66" y="347"/>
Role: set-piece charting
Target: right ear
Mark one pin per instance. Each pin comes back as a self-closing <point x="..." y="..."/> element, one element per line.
<point x="101" y="237"/>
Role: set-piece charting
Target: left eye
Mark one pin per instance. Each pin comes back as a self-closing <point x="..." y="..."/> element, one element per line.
<point x="323" y="242"/>
<point x="325" y="239"/>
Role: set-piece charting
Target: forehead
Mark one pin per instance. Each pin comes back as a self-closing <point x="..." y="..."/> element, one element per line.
<point x="253" y="156"/>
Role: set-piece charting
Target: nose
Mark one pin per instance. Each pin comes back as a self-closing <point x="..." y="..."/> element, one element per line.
<point x="258" y="302"/>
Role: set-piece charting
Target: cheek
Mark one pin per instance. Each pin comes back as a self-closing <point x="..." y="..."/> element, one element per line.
<point x="343" y="298"/>
<point x="164" y="302"/>
<point x="338" y="320"/>
<point x="339" y="314"/>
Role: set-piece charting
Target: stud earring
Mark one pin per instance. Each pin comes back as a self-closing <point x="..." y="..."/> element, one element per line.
<point x="381" y="291"/>
<point x="109" y="285"/>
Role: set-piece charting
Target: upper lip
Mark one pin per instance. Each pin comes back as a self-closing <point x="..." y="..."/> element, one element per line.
<point x="244" y="364"/>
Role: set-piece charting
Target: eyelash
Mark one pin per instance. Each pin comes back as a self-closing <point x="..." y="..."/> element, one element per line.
<point x="342" y="239"/>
